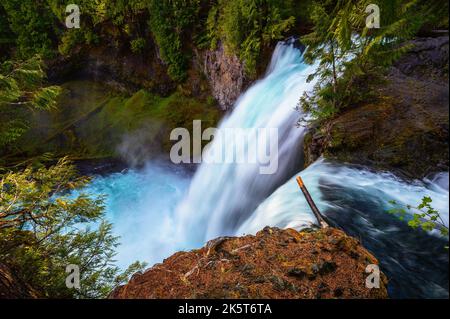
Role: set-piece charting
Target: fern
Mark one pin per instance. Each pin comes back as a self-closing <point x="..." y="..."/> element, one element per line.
<point x="22" y="83"/>
<point x="45" y="98"/>
<point x="348" y="52"/>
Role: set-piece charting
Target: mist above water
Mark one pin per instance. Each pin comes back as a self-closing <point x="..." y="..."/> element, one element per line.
<point x="162" y="209"/>
<point x="222" y="196"/>
<point x="141" y="205"/>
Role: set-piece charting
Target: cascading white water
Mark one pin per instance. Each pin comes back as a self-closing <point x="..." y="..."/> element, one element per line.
<point x="286" y="207"/>
<point x="357" y="200"/>
<point x="222" y="199"/>
<point x="155" y="215"/>
<point x="222" y="196"/>
<point x="141" y="204"/>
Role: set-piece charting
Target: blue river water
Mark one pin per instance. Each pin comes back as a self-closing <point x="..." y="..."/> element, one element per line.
<point x="162" y="208"/>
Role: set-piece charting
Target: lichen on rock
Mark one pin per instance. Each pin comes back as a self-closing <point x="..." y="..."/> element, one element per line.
<point x="274" y="263"/>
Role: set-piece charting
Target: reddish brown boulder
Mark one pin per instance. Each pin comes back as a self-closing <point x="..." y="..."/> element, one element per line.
<point x="275" y="263"/>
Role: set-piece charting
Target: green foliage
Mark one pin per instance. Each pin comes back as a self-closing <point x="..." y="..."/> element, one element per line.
<point x="246" y="26"/>
<point x="11" y="131"/>
<point x="39" y="25"/>
<point x="137" y="45"/>
<point x="70" y="40"/>
<point x="169" y="21"/>
<point x="22" y="85"/>
<point x="43" y="229"/>
<point x="93" y="13"/>
<point x="45" y="97"/>
<point x="119" y="10"/>
<point x="349" y="55"/>
<point x="7" y="38"/>
<point x="33" y="25"/>
<point x="90" y="120"/>
<point x="424" y="216"/>
<point x="437" y="16"/>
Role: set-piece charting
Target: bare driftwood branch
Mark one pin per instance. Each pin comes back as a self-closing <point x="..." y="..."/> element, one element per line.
<point x="315" y="210"/>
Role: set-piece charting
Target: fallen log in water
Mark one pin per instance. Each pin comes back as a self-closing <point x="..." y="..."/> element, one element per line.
<point x="315" y="210"/>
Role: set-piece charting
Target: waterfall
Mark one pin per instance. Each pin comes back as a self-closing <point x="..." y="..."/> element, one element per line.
<point x="222" y="196"/>
<point x="160" y="210"/>
<point x="234" y="199"/>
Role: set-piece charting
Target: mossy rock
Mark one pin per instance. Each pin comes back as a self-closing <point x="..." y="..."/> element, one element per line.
<point x="91" y="120"/>
<point x="404" y="130"/>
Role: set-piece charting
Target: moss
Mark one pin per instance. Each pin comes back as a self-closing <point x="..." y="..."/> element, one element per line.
<point x="408" y="136"/>
<point x="308" y="138"/>
<point x="91" y="120"/>
<point x="337" y="138"/>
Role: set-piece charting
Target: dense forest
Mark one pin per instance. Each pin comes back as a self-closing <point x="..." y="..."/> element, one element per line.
<point x="152" y="61"/>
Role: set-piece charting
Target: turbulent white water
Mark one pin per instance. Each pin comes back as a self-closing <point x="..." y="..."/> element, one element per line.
<point x="160" y="210"/>
<point x="222" y="196"/>
<point x="286" y="207"/>
<point x="356" y="200"/>
<point x="141" y="205"/>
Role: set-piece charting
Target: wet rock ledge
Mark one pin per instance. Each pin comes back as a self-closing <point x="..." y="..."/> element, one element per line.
<point x="275" y="263"/>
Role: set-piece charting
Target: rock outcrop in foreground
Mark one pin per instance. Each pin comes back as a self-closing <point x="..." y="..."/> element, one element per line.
<point x="275" y="263"/>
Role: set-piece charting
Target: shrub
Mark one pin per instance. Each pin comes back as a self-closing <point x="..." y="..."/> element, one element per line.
<point x="137" y="45"/>
<point x="169" y="21"/>
<point x="246" y="26"/>
<point x="43" y="229"/>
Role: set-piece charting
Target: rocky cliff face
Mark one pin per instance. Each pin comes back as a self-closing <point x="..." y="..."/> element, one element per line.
<point x="112" y="62"/>
<point x="225" y="74"/>
<point x="405" y="129"/>
<point x="275" y="263"/>
<point x="211" y="72"/>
